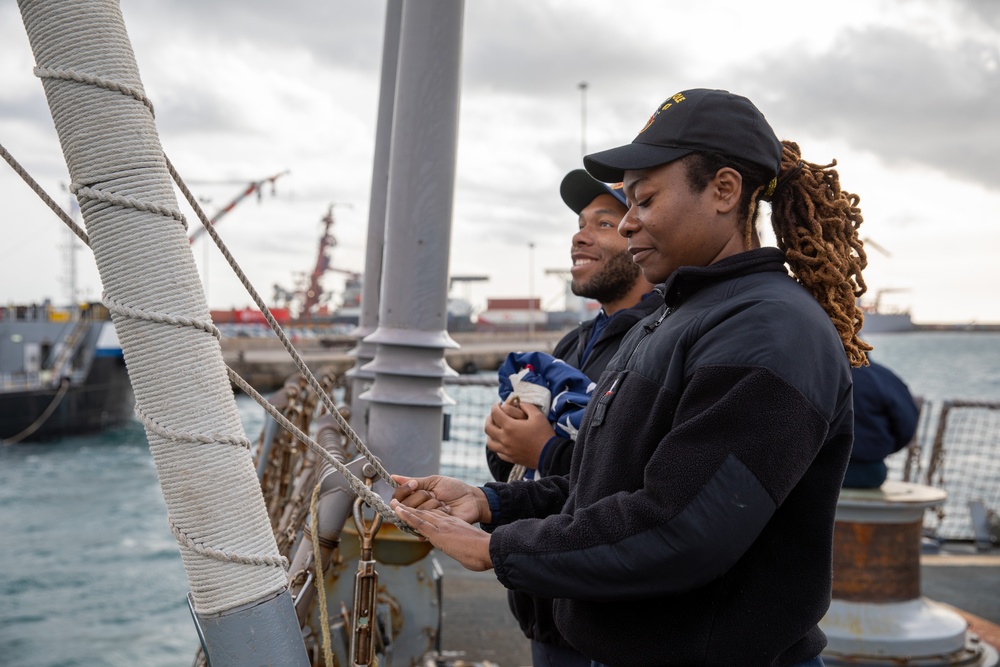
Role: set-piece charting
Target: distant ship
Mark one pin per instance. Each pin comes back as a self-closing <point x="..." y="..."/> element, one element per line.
<point x="877" y="322"/>
<point x="62" y="372"/>
<point x="882" y="319"/>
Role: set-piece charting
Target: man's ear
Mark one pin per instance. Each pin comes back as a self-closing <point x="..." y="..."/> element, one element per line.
<point x="728" y="187"/>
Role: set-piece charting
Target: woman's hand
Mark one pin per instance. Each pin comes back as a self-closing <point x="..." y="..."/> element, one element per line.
<point x="446" y="494"/>
<point x="467" y="544"/>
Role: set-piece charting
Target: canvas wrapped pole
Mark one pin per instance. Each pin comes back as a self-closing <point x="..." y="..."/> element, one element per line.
<point x="407" y="398"/>
<point x="364" y="351"/>
<point x="183" y="397"/>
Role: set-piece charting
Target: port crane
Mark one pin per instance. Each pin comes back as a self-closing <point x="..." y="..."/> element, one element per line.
<point x="251" y="188"/>
<point x="309" y="295"/>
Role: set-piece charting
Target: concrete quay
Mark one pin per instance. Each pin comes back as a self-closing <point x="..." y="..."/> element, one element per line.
<point x="265" y="364"/>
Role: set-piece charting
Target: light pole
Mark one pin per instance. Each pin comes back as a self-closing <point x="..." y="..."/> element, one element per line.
<point x="531" y="290"/>
<point x="583" y="117"/>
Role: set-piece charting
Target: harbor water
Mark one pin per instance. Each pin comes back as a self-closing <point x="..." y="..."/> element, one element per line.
<point x="91" y="576"/>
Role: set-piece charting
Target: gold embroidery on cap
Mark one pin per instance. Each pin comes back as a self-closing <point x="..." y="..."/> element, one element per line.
<point x="677" y="98"/>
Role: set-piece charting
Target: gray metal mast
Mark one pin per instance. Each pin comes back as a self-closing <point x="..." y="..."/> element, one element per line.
<point x="364" y="351"/>
<point x="407" y="398"/>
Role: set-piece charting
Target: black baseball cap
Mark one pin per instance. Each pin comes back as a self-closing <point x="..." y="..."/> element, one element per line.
<point x="693" y="120"/>
<point x="578" y="189"/>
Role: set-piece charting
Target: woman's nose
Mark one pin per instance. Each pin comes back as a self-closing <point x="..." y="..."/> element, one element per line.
<point x="627" y="226"/>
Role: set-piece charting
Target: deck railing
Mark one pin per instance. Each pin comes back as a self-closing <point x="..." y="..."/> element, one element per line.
<point x="956" y="448"/>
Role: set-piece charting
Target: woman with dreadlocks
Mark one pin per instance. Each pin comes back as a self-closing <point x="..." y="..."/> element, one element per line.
<point x="696" y="524"/>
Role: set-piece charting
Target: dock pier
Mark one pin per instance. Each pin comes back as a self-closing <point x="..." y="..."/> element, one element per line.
<point x="265" y="364"/>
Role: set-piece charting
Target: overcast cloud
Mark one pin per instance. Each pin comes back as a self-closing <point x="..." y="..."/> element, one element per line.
<point x="904" y="94"/>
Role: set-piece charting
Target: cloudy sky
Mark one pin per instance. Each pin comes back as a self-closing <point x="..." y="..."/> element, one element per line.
<point x="904" y="94"/>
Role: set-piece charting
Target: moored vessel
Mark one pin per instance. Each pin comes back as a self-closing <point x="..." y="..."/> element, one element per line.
<point x="61" y="372"/>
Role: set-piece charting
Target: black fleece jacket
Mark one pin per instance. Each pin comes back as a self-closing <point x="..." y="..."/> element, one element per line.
<point x="696" y="524"/>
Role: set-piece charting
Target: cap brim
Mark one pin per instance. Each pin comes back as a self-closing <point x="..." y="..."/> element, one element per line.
<point x="578" y="189"/>
<point x="610" y="165"/>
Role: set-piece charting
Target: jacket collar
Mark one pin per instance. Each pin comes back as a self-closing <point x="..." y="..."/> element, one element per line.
<point x="687" y="280"/>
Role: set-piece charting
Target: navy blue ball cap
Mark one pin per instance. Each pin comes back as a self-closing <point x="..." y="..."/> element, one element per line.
<point x="700" y="119"/>
<point x="578" y="189"/>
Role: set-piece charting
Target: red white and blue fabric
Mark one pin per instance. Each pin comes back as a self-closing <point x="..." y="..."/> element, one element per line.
<point x="537" y="375"/>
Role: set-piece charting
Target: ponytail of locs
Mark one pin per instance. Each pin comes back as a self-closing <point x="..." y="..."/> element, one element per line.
<point x="816" y="226"/>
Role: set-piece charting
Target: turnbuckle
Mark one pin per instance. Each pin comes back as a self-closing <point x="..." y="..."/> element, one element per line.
<point x="365" y="585"/>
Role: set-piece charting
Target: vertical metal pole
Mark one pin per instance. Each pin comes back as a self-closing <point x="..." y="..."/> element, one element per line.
<point x="364" y="351"/>
<point x="583" y="118"/>
<point x="407" y="398"/>
<point x="531" y="291"/>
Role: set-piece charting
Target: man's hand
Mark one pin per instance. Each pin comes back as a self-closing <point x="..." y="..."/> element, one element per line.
<point x="467" y="544"/>
<point x="517" y="439"/>
<point x="444" y="494"/>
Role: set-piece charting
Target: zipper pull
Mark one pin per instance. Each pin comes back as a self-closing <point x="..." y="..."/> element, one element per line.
<point x="649" y="327"/>
<point x="605" y="400"/>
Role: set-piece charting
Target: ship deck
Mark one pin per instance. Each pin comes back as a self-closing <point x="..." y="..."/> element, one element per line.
<point x="478" y="627"/>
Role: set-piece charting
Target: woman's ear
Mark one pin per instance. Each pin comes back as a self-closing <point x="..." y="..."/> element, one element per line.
<point x="728" y="185"/>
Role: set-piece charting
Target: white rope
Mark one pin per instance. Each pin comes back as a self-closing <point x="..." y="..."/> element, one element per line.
<point x="80" y="77"/>
<point x="135" y="313"/>
<point x="116" y="163"/>
<point x="84" y="192"/>
<point x="371" y="498"/>
<point x="43" y="195"/>
<point x="119" y="308"/>
<point x="326" y="399"/>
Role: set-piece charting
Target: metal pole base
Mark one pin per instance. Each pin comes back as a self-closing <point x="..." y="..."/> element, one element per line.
<point x="258" y="635"/>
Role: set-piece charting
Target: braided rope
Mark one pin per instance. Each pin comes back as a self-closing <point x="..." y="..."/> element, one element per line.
<point x="225" y="555"/>
<point x="43" y="195"/>
<point x="86" y="192"/>
<point x="371" y="498"/>
<point x="116" y="306"/>
<point x="81" y="77"/>
<point x="109" y="130"/>
<point x="118" y="173"/>
<point x="285" y="342"/>
<point x="178" y="436"/>
<point x="324" y="614"/>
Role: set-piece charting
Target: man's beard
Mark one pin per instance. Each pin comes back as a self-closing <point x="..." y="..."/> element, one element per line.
<point x="613" y="282"/>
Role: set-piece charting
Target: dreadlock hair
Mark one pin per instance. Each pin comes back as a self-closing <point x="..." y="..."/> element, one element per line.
<point x="815" y="224"/>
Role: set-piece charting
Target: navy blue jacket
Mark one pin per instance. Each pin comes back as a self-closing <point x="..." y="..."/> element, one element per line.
<point x="696" y="524"/>
<point x="534" y="614"/>
<point x="885" y="414"/>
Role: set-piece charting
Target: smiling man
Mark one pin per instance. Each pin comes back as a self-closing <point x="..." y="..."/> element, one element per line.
<point x="603" y="270"/>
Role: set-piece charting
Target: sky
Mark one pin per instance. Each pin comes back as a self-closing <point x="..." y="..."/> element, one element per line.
<point x="905" y="95"/>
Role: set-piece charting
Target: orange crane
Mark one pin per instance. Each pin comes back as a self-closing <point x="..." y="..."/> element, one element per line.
<point x="310" y="293"/>
<point x="252" y="187"/>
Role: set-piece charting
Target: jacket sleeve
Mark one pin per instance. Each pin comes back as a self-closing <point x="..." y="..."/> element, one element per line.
<point x="746" y="437"/>
<point x="526" y="498"/>
<point x="499" y="468"/>
<point x="556" y="456"/>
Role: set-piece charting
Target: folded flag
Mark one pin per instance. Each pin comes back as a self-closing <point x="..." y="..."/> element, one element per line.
<point x="558" y="389"/>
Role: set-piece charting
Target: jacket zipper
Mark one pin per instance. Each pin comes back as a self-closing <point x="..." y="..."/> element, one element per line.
<point x="609" y="395"/>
